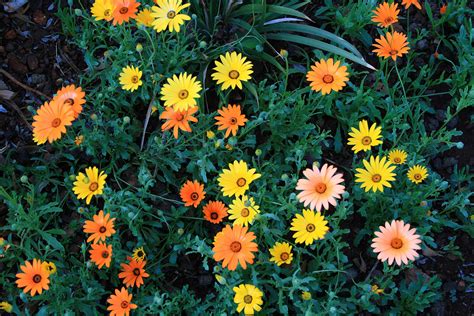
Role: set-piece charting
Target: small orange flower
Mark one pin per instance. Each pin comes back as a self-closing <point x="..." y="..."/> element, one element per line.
<point x="192" y="193"/>
<point x="35" y="277"/>
<point x="50" y="122"/>
<point x="178" y="120"/>
<point x="133" y="272"/>
<point x="214" y="211"/>
<point x="235" y="246"/>
<point x="100" y="227"/>
<point x="386" y="14"/>
<point x="230" y="119"/>
<point x="443" y="9"/>
<point x="101" y="254"/>
<point x="408" y="3"/>
<point x="124" y="11"/>
<point x="120" y="303"/>
<point x="72" y="96"/>
<point x="392" y="45"/>
<point x="327" y="76"/>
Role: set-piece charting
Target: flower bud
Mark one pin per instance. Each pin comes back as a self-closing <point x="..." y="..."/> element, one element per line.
<point x="24" y="179"/>
<point x="139" y="48"/>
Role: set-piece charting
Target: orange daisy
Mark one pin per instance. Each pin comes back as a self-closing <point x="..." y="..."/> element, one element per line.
<point x="235" y="246"/>
<point x="230" y="119"/>
<point x="100" y="227"/>
<point x="125" y="10"/>
<point x="35" y="277"/>
<point x="391" y="45"/>
<point x="133" y="272"/>
<point x="321" y="187"/>
<point x="73" y="96"/>
<point x="178" y="120"/>
<point x="192" y="193"/>
<point x="386" y="14"/>
<point x="396" y="242"/>
<point x="408" y="3"/>
<point x="120" y="303"/>
<point x="327" y="76"/>
<point x="101" y="254"/>
<point x="50" y="122"/>
<point x="214" y="211"/>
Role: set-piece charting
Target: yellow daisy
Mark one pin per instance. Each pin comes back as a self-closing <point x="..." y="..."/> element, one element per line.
<point x="397" y="156"/>
<point x="103" y="10"/>
<point x="417" y="174"/>
<point x="232" y="70"/>
<point x="167" y="15"/>
<point x="364" y="138"/>
<point x="181" y="92"/>
<point x="376" y="175"/>
<point x="89" y="184"/>
<point x="5" y="306"/>
<point x="236" y="179"/>
<point x="243" y="211"/>
<point x="50" y="267"/>
<point x="248" y="298"/>
<point x="281" y="253"/>
<point x="309" y="227"/>
<point x="145" y="18"/>
<point x="327" y="76"/>
<point x="130" y="78"/>
<point x="139" y="254"/>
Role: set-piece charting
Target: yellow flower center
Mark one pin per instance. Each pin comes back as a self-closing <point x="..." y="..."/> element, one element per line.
<point x="235" y="246"/>
<point x="123" y="10"/>
<point x="310" y="228"/>
<point x="244" y="212"/>
<point x="69" y="101"/>
<point x="56" y="122"/>
<point x="393" y="52"/>
<point x="93" y="186"/>
<point x="366" y="140"/>
<point x="397" y="160"/>
<point x="396" y="243"/>
<point x="136" y="271"/>
<point x="214" y="215"/>
<point x="328" y="79"/>
<point x="248" y="299"/>
<point x="241" y="182"/>
<point x="171" y="14"/>
<point x="284" y="256"/>
<point x="320" y="188"/>
<point x="107" y="12"/>
<point x="105" y="254"/>
<point x="183" y="94"/>
<point x="376" y="178"/>
<point x="194" y="196"/>
<point x="37" y="278"/>
<point x="134" y="79"/>
<point x="234" y="74"/>
<point x="233" y="121"/>
<point x="124" y="304"/>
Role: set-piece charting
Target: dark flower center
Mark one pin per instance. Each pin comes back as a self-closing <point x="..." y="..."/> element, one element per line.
<point x="393" y="52"/>
<point x="179" y="117"/>
<point x="235" y="246"/>
<point x="134" y="79"/>
<point x="376" y="178"/>
<point x="136" y="271"/>
<point x="396" y="243"/>
<point x="123" y="10"/>
<point x="105" y="254"/>
<point x="284" y="256"/>
<point x="320" y="188"/>
<point x="248" y="299"/>
<point x="244" y="212"/>
<point x="214" y="215"/>
<point x="124" y="304"/>
<point x="241" y="182"/>
<point x="233" y="120"/>
<point x="310" y="228"/>
<point x="417" y="176"/>
<point x="183" y="94"/>
<point x="328" y="78"/>
<point x="69" y="101"/>
<point x="140" y="253"/>
<point x="93" y="186"/>
<point x="397" y="160"/>
<point x="194" y="196"/>
<point x="102" y="229"/>
<point x="171" y="14"/>
<point x="234" y="74"/>
<point x="388" y="20"/>
<point x="56" y="122"/>
<point x="37" y="278"/>
<point x="366" y="140"/>
<point x="107" y="12"/>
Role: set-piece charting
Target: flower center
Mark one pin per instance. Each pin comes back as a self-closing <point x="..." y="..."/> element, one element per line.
<point x="328" y="79"/>
<point x="183" y="94"/>
<point x="320" y="188"/>
<point x="69" y="101"/>
<point x="171" y="14"/>
<point x="234" y="74"/>
<point x="102" y="229"/>
<point x="37" y="278"/>
<point x="366" y="140"/>
<point x="194" y="196"/>
<point x="284" y="256"/>
<point x="123" y="10"/>
<point x="105" y="254"/>
<point x="417" y="176"/>
<point x="248" y="299"/>
<point x="107" y="12"/>
<point x="396" y="243"/>
<point x="136" y="271"/>
<point x="376" y="177"/>
<point x="235" y="246"/>
<point x="56" y="122"/>
<point x="233" y="120"/>
<point x="310" y="228"/>
<point x="388" y="20"/>
<point x="244" y="212"/>
<point x="397" y="160"/>
<point x="124" y="304"/>
<point x="393" y="52"/>
<point x="134" y="79"/>
<point x="140" y="253"/>
<point x="93" y="186"/>
<point x="214" y="215"/>
<point x="241" y="182"/>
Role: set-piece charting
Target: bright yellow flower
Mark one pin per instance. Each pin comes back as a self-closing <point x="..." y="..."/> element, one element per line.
<point x="50" y="267"/>
<point x="248" y="298"/>
<point x="417" y="174"/>
<point x="376" y="290"/>
<point x="376" y="175"/>
<point x="103" y="10"/>
<point x="306" y="296"/>
<point x="309" y="227"/>
<point x="139" y="254"/>
<point x="130" y="78"/>
<point x="181" y="92"/>
<point x="397" y="156"/>
<point x="232" y="70"/>
<point x="145" y="18"/>
<point x="89" y="184"/>
<point x="243" y="211"/>
<point x="167" y="15"/>
<point x="210" y="134"/>
<point x="365" y="138"/>
<point x="5" y="306"/>
<point x="78" y="140"/>
<point x="236" y="179"/>
<point x="281" y="253"/>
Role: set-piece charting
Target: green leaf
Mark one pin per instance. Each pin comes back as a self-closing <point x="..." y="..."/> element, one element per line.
<point x="52" y="241"/>
<point x="262" y="8"/>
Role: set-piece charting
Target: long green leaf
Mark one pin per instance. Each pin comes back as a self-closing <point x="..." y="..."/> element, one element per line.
<point x="262" y="8"/>
<point x="319" y="45"/>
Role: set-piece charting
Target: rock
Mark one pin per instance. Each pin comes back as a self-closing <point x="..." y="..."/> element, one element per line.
<point x="422" y="44"/>
<point x="2" y="49"/>
<point x="10" y="34"/>
<point x="16" y="65"/>
<point x="36" y="78"/>
<point x="32" y="62"/>
<point x="39" y="17"/>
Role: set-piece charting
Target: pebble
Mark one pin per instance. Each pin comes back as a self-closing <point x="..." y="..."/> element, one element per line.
<point x="16" y="65"/>
<point x="10" y="34"/>
<point x="39" y="17"/>
<point x="32" y="62"/>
